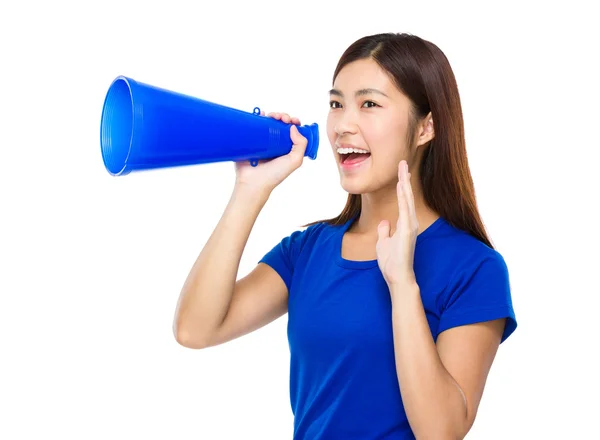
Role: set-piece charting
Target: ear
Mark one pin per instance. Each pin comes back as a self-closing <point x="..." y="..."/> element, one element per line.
<point x="426" y="130"/>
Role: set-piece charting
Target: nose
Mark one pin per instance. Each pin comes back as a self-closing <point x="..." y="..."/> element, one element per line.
<point x="346" y="123"/>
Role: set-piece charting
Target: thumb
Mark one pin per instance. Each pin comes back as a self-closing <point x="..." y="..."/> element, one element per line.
<point x="383" y="230"/>
<point x="299" y="142"/>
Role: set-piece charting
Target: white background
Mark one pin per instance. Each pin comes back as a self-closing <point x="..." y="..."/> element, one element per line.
<point x="92" y="265"/>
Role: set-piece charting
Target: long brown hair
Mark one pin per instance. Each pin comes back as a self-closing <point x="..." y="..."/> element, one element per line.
<point x="422" y="72"/>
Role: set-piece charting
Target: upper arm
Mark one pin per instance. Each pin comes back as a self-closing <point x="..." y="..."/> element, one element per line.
<point x="477" y="317"/>
<point x="258" y="299"/>
<point x="467" y="352"/>
<point x="262" y="295"/>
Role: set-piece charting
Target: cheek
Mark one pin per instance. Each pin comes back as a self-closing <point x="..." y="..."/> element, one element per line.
<point x="387" y="143"/>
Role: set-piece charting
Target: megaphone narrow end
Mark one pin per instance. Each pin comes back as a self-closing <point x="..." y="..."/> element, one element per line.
<point x="313" y="141"/>
<point x="116" y="127"/>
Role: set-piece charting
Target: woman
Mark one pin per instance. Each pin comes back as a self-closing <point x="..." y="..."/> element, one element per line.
<point x="398" y="305"/>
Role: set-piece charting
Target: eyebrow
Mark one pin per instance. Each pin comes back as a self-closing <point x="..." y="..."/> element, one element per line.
<point x="360" y="92"/>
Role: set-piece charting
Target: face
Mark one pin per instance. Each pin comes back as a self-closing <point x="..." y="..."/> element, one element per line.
<point x="368" y="113"/>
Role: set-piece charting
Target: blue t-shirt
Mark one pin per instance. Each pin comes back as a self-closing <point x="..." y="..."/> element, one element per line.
<point x="343" y="380"/>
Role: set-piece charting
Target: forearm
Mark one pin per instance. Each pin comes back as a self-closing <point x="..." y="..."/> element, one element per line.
<point x="208" y="289"/>
<point x="433" y="401"/>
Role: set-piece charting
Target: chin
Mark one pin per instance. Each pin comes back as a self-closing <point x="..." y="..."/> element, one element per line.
<point x="354" y="186"/>
<point x="365" y="184"/>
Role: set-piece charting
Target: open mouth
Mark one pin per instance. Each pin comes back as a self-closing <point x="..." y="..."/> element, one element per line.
<point x="353" y="158"/>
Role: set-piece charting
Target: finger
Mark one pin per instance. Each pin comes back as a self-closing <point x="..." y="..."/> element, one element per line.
<point x="262" y="112"/>
<point x="410" y="198"/>
<point x="403" y="211"/>
<point x="286" y="118"/>
<point x="296" y="121"/>
<point x="275" y="115"/>
<point x="299" y="144"/>
<point x="383" y="230"/>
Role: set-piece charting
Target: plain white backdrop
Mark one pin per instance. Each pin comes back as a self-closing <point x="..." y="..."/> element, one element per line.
<point x="92" y="265"/>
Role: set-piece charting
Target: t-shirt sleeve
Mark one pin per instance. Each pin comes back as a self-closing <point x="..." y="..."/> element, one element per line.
<point x="283" y="256"/>
<point x="480" y="293"/>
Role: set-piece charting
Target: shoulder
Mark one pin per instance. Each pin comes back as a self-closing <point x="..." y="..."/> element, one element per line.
<point x="476" y="285"/>
<point x="456" y="261"/>
<point x="309" y="236"/>
<point x="465" y="252"/>
<point x="306" y="237"/>
<point x="314" y="231"/>
<point x="294" y="248"/>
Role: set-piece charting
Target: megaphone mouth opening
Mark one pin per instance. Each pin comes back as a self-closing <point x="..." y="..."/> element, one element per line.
<point x="117" y="126"/>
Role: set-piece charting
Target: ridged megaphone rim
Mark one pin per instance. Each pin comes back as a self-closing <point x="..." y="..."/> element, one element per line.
<point x="117" y="126"/>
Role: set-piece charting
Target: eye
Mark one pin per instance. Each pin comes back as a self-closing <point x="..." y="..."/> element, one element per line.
<point x="370" y="102"/>
<point x="332" y="104"/>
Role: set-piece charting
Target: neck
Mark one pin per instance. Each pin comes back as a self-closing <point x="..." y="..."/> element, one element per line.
<point x="383" y="205"/>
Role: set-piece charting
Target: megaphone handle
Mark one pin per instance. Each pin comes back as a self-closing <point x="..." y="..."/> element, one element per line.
<point x="254" y="162"/>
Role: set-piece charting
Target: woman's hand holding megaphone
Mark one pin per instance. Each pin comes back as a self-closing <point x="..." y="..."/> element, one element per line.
<point x="265" y="177"/>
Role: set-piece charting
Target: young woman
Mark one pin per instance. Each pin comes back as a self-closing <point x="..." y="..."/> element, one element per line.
<point x="398" y="305"/>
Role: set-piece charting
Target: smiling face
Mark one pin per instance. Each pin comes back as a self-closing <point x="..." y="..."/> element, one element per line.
<point x="368" y="113"/>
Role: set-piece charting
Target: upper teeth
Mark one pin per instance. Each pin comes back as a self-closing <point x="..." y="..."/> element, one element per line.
<point x="350" y="150"/>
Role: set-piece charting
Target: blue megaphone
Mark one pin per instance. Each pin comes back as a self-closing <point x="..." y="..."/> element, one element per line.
<point x="145" y="127"/>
